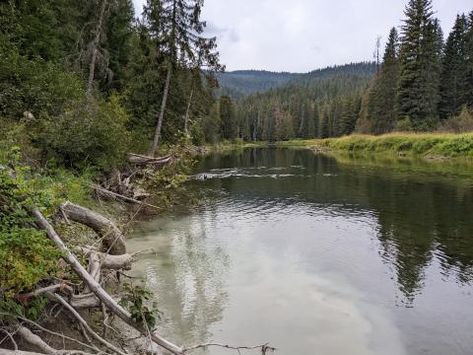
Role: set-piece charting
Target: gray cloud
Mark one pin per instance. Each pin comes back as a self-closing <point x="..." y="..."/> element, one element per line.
<point x="301" y="35"/>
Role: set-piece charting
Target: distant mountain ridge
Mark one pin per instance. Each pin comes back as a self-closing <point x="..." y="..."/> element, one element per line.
<point x="241" y="83"/>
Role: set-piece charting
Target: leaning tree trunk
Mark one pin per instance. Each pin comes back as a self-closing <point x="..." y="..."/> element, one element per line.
<point x="157" y="133"/>
<point x="186" y="119"/>
<point x="95" y="48"/>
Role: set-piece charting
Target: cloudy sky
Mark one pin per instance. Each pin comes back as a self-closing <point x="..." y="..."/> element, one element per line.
<point x="302" y="35"/>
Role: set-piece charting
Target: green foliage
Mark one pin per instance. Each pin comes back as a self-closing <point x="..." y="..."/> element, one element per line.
<point x="26" y="255"/>
<point x="381" y="107"/>
<point x="428" y="144"/>
<point x="34" y="85"/>
<point x="322" y="103"/>
<point x="420" y="55"/>
<point x="137" y="300"/>
<point x="90" y="134"/>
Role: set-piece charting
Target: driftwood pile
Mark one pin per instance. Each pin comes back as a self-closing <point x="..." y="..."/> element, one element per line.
<point x="109" y="254"/>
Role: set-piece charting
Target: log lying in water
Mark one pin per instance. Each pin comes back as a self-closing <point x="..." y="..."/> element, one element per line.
<point x="113" y="240"/>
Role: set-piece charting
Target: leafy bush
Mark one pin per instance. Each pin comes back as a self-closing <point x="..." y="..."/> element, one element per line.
<point x="33" y="85"/>
<point x="26" y="255"/>
<point x="90" y="134"/>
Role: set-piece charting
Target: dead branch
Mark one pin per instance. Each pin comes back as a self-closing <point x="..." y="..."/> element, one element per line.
<point x="265" y="348"/>
<point x="86" y="301"/>
<point x="40" y="291"/>
<point x="115" y="196"/>
<point x="9" y="336"/>
<point x="95" y="287"/>
<point x="113" y="239"/>
<point x="40" y="327"/>
<point x="138" y="159"/>
<point x="86" y="325"/>
<point x="110" y="262"/>
<point x="35" y="340"/>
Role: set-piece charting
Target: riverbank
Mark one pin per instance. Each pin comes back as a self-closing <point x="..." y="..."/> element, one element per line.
<point x="431" y="146"/>
<point x="53" y="213"/>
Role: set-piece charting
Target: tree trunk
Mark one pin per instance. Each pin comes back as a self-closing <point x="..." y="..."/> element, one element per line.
<point x="113" y="239"/>
<point x="186" y="119"/>
<point x="157" y="133"/>
<point x="95" y="48"/>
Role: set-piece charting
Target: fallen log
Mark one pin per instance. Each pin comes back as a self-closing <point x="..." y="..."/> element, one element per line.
<point x="97" y="289"/>
<point x="107" y="261"/>
<point x="113" y="240"/>
<point x="114" y="196"/>
<point x="138" y="159"/>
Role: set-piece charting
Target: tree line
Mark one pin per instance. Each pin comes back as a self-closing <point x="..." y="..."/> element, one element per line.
<point x="422" y="84"/>
<point x="84" y="82"/>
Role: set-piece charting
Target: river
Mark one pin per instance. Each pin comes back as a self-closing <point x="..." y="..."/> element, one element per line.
<point x="317" y="255"/>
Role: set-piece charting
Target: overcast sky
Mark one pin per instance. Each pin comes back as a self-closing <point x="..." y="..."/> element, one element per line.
<point x="302" y="35"/>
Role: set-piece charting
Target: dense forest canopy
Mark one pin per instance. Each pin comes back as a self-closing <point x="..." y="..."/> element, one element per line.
<point x="84" y="83"/>
<point x="422" y="84"/>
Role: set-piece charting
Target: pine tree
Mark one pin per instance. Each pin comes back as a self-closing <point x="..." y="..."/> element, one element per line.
<point x="177" y="30"/>
<point x="454" y="70"/>
<point x="381" y="108"/>
<point x="419" y="65"/>
<point x="469" y="62"/>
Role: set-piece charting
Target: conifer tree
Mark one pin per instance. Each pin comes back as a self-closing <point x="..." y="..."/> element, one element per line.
<point x="454" y="70"/>
<point x="382" y="96"/>
<point x="469" y="62"/>
<point x="421" y="46"/>
<point x="177" y="30"/>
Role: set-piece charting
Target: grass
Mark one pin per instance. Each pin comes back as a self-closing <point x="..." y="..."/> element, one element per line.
<point x="428" y="145"/>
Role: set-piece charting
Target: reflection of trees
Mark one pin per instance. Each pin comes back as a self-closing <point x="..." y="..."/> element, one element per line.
<point x="188" y="279"/>
<point x="421" y="213"/>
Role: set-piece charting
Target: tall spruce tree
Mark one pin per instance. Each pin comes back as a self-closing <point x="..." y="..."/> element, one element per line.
<point x="382" y="112"/>
<point x="469" y="62"/>
<point x="421" y="47"/>
<point x="454" y="70"/>
<point x="177" y="30"/>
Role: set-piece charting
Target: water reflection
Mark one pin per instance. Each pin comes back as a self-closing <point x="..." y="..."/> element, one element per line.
<point x="318" y="254"/>
<point x="423" y="212"/>
<point x="186" y="276"/>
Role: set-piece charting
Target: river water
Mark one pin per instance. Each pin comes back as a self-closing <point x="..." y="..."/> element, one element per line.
<point x="317" y="255"/>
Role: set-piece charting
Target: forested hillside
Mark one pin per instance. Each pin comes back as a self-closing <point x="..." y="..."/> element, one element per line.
<point x="422" y="84"/>
<point x="85" y="82"/>
<point x="240" y="83"/>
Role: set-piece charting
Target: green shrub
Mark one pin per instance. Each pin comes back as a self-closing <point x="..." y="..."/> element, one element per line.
<point x="26" y="254"/>
<point x="91" y="134"/>
<point x="33" y="85"/>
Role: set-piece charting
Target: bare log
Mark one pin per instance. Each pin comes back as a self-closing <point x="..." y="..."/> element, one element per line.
<point x="113" y="239"/>
<point x="95" y="287"/>
<point x="139" y="159"/>
<point x="110" y="262"/>
<point x="85" y="301"/>
<point x="35" y="340"/>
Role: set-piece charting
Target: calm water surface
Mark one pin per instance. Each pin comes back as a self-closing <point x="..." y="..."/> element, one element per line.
<point x="317" y="255"/>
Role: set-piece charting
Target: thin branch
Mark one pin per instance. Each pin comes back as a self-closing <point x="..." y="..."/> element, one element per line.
<point x="29" y="321"/>
<point x="264" y="347"/>
<point x="9" y="335"/>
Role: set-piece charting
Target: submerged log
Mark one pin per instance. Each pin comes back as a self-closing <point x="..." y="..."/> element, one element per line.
<point x="113" y="240"/>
